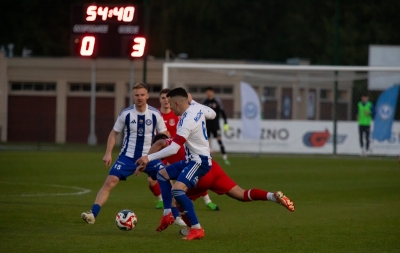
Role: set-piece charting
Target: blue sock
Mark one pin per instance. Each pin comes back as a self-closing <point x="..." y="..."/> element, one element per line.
<point x="165" y="186"/>
<point x="175" y="212"/>
<point x="96" y="209"/>
<point x="186" y="204"/>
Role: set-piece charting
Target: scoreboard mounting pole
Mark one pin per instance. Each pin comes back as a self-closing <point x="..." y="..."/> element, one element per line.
<point x="131" y="80"/>
<point x="92" y="140"/>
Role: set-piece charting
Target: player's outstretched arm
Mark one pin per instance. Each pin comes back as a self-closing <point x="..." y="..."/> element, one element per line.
<point x="107" y="159"/>
<point x="155" y="153"/>
<point x="157" y="146"/>
<point x="168" y="151"/>
<point x="208" y="112"/>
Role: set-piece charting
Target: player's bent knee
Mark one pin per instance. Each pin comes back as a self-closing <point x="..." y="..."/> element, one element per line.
<point x="179" y="186"/>
<point x="111" y="182"/>
<point x="163" y="175"/>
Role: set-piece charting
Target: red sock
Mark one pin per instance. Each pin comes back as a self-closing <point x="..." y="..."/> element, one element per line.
<point x="254" y="194"/>
<point x="155" y="189"/>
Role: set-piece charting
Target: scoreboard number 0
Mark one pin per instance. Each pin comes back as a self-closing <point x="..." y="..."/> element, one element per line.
<point x="87" y="46"/>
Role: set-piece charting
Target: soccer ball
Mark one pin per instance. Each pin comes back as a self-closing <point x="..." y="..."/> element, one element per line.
<point x="126" y="220"/>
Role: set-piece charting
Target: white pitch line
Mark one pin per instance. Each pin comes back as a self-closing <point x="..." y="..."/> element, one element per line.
<point x="81" y="191"/>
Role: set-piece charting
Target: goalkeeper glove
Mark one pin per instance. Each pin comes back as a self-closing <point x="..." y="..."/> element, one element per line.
<point x="226" y="127"/>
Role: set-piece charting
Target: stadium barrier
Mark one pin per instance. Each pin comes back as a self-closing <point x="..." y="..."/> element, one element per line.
<point x="305" y="137"/>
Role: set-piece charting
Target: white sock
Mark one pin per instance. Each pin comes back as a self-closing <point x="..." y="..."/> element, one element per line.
<point x="271" y="197"/>
<point x="196" y="226"/>
<point x="167" y="211"/>
<point x="224" y="157"/>
<point x="159" y="197"/>
<point x="207" y="199"/>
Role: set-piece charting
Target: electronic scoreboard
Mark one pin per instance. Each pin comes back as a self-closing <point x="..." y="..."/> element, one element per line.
<point x="107" y="30"/>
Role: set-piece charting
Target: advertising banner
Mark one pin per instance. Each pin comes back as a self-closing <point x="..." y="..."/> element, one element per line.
<point x="251" y="112"/>
<point x="305" y="137"/>
<point x="385" y="111"/>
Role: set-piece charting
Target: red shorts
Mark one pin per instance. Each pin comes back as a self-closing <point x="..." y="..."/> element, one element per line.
<point x="215" y="180"/>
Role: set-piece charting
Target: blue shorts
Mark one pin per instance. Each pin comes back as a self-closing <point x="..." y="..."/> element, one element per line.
<point x="125" y="166"/>
<point x="188" y="173"/>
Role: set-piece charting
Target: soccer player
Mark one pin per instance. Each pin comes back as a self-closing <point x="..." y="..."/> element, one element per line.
<point x="219" y="182"/>
<point x="140" y="122"/>
<point x="364" y="118"/>
<point x="213" y="124"/>
<point x="171" y="122"/>
<point x="193" y="133"/>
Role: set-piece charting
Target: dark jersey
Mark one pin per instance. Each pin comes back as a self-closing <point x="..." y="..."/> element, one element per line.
<point x="216" y="105"/>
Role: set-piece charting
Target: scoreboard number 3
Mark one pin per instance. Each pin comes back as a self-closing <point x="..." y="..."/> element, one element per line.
<point x="139" y="44"/>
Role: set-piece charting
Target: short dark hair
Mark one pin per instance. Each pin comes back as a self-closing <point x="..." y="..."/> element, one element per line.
<point x="140" y="86"/>
<point x="158" y="137"/>
<point x="365" y="94"/>
<point x="178" y="92"/>
<point x="209" y="88"/>
<point x="164" y="91"/>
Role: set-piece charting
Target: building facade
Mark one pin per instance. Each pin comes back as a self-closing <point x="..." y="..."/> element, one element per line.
<point x="48" y="99"/>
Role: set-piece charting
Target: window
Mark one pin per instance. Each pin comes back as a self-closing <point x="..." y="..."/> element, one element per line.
<point x="74" y="87"/>
<point x="86" y="87"/>
<point x="33" y="86"/>
<point x="342" y="95"/>
<point x="201" y="88"/>
<point x="38" y="87"/>
<point x="105" y="88"/>
<point x="16" y="86"/>
<point x="227" y="90"/>
<point x="193" y="89"/>
<point x="156" y="88"/>
<point x="217" y="90"/>
<point x="323" y="94"/>
<point x="269" y="92"/>
<point x="50" y="87"/>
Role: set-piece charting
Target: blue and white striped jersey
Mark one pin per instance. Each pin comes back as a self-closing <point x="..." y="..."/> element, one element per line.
<point x="192" y="127"/>
<point x="139" y="129"/>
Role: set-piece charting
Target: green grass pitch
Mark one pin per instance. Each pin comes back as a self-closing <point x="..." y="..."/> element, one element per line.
<point x="343" y="204"/>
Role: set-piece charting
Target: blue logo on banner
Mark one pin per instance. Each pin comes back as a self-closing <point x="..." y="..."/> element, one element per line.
<point x="385" y="111"/>
<point x="250" y="110"/>
<point x="385" y="108"/>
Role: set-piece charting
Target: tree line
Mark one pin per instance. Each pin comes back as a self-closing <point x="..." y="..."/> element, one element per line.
<point x="253" y="30"/>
